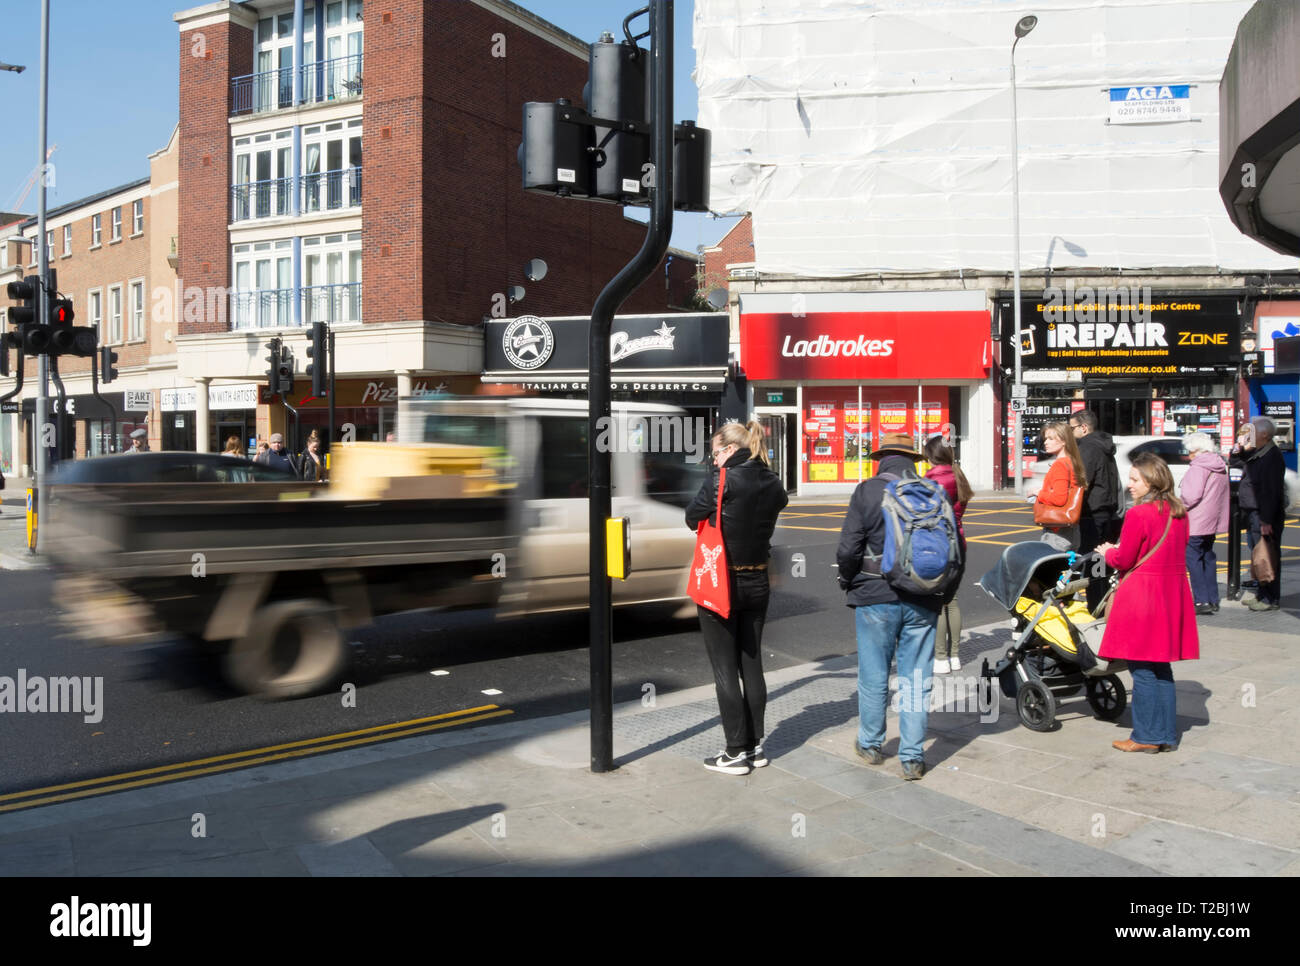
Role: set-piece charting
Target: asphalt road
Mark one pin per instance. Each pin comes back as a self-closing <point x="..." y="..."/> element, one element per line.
<point x="166" y="707"/>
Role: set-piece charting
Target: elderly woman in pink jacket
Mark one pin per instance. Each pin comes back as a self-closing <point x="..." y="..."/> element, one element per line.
<point x="1205" y="494"/>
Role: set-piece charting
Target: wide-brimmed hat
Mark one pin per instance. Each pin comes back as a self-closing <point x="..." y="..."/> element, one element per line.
<point x="895" y="444"/>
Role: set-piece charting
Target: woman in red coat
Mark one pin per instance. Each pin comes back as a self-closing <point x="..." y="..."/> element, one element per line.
<point x="1152" y="621"/>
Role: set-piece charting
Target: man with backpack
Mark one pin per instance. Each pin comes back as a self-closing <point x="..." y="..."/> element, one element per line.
<point x="898" y="554"/>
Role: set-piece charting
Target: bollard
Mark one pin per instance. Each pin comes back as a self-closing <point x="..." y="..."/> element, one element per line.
<point x="1234" y="534"/>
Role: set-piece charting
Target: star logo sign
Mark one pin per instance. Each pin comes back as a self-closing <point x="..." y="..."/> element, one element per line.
<point x="665" y="332"/>
<point x="528" y="342"/>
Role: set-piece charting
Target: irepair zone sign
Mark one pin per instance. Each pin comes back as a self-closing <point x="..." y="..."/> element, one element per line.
<point x="865" y="335"/>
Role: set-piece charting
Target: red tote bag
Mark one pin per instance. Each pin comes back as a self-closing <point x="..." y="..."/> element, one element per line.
<point x="709" y="586"/>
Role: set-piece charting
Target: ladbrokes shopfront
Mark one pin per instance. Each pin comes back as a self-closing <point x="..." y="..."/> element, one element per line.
<point x="1148" y="364"/>
<point x="832" y="372"/>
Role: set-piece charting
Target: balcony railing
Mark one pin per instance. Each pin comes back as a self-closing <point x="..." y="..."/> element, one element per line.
<point x="331" y="190"/>
<point x="273" y="308"/>
<point x="320" y="81"/>
<point x="331" y="303"/>
<point x="261" y="199"/>
<point x="265" y="309"/>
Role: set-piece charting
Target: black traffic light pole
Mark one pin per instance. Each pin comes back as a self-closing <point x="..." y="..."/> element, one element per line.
<point x="623" y="284"/>
<point x="329" y="441"/>
<point x="94" y="391"/>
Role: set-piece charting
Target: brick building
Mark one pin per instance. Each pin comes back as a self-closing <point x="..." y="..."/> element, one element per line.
<point x="404" y="248"/>
<point x="110" y="252"/>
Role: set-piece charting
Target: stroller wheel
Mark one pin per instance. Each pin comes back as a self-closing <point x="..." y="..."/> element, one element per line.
<point x="1107" y="696"/>
<point x="1036" y="706"/>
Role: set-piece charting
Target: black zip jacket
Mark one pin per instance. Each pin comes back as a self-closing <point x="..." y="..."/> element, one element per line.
<point x="1264" y="484"/>
<point x="1098" y="452"/>
<point x="864" y="526"/>
<point x="753" y="499"/>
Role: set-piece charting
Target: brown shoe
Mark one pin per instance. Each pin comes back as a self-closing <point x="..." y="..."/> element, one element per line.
<point x="1128" y="744"/>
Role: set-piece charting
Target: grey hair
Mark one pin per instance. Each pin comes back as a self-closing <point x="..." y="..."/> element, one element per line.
<point x="1264" y="426"/>
<point x="1198" y="443"/>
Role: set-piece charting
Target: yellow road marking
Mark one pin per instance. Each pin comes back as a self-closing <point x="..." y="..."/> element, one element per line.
<point x="241" y="759"/>
<point x="784" y="526"/>
<point x="1006" y="533"/>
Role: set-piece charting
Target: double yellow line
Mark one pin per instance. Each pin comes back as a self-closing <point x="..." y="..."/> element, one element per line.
<point x="51" y="794"/>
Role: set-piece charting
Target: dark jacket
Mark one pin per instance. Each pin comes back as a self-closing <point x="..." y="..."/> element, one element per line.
<point x="1264" y="484"/>
<point x="1098" y="452"/>
<point x="311" y="470"/>
<point x="753" y="499"/>
<point x="279" y="461"/>
<point x="864" y="527"/>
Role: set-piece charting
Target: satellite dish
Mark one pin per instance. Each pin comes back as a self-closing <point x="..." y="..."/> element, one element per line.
<point x="535" y="270"/>
<point x="718" y="298"/>
<point x="515" y="294"/>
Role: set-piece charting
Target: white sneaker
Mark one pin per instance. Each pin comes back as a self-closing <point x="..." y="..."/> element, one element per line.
<point x="940" y="667"/>
<point x="954" y="664"/>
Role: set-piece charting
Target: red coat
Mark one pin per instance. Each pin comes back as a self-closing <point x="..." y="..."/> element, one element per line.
<point x="1152" y="617"/>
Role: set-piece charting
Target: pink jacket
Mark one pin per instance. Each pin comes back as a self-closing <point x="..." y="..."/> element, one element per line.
<point x="1205" y="494"/>
<point x="942" y="474"/>
<point x="1152" y="617"/>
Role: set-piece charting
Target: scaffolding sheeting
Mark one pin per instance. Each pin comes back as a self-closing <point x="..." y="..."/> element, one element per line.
<point x="870" y="137"/>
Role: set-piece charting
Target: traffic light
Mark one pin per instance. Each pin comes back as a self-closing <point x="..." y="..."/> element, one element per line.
<point x="24" y="292"/>
<point x="273" y="366"/>
<point x="317" y="368"/>
<point x="284" y="373"/>
<point x="107" y="364"/>
<point x="553" y="153"/>
<point x="691" y="152"/>
<point x="63" y="337"/>
<point x="617" y="90"/>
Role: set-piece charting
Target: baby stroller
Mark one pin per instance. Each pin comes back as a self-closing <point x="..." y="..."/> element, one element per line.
<point x="1053" y="653"/>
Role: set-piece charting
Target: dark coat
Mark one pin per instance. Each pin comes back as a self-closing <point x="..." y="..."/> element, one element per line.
<point x="1263" y="486"/>
<point x="1098" y="452"/>
<point x="864" y="526"/>
<point x="753" y="499"/>
<point x="311" y="470"/>
<point x="279" y="461"/>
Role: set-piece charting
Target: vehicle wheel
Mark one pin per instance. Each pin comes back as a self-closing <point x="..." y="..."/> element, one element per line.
<point x="295" y="647"/>
<point x="1036" y="706"/>
<point x="1107" y="696"/>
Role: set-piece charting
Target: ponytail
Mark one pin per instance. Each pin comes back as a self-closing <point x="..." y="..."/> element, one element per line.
<point x="748" y="435"/>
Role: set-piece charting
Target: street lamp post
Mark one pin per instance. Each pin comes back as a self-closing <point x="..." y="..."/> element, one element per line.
<point x="1023" y="27"/>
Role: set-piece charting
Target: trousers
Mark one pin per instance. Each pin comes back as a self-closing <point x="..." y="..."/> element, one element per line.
<point x="734" y="646"/>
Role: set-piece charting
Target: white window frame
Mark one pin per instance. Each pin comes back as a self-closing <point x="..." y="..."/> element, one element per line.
<point x="95" y="311"/>
<point x="116" y="224"/>
<point x="67" y="239"/>
<point x="272" y="253"/>
<point x="114" y="318"/>
<point x="96" y="230"/>
<point x="135" y="328"/>
<point x="137" y="217"/>
<point x="49" y="245"/>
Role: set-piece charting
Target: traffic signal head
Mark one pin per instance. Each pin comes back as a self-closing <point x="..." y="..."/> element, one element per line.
<point x="284" y="374"/>
<point x="61" y="312"/>
<point x="107" y="363"/>
<point x="553" y="153"/>
<point x="691" y="151"/>
<point x="24" y="292"/>
<point x="617" y="89"/>
<point x="316" y="352"/>
<point x="273" y="366"/>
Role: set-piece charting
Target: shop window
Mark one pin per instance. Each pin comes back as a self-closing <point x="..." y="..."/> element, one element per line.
<point x="563" y="459"/>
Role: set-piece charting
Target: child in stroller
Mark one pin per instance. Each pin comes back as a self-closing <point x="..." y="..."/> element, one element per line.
<point x="1054" y="645"/>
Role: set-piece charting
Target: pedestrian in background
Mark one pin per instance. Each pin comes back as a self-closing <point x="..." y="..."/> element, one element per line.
<point x="276" y="457"/>
<point x="232" y="447"/>
<point x="751" y="501"/>
<point x="890" y="623"/>
<point x="1101" y="499"/>
<point x="1204" y="492"/>
<point x="1061" y="488"/>
<point x="945" y="470"/>
<point x="262" y="447"/>
<point x="1262" y="495"/>
<point x="1151" y="621"/>
<point x="313" y="463"/>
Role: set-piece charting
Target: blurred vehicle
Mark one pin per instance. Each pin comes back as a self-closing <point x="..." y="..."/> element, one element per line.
<point x="482" y="504"/>
<point x="166" y="467"/>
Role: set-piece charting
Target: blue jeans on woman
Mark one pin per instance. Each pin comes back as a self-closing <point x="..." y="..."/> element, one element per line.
<point x="905" y="629"/>
<point x="1202" y="568"/>
<point x="1153" y="703"/>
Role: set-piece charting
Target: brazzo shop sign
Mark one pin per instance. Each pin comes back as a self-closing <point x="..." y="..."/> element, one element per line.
<point x="530" y="344"/>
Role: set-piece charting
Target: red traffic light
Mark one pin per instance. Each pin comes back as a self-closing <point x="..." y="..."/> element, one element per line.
<point x="61" y="313"/>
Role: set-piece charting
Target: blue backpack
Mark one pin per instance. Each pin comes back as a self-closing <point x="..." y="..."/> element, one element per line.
<point x="922" y="554"/>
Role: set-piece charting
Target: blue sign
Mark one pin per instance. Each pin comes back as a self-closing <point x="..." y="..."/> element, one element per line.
<point x="1151" y="92"/>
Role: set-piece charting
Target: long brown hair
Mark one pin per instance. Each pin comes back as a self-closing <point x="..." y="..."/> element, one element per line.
<point x="232" y="445"/>
<point x="939" y="452"/>
<point x="1062" y="431"/>
<point x="1160" y="482"/>
<point x="749" y="435"/>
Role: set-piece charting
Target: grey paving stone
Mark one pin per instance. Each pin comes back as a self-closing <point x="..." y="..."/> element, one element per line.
<point x="861" y="780"/>
<point x="37" y="855"/>
<point x="873" y="827"/>
<point x="110" y="851"/>
<point x="1252" y="776"/>
<point x="915" y="803"/>
<point x="353" y="857"/>
<point x="908" y="859"/>
<point x="1178" y="850"/>
<point x="271" y="864"/>
<point x="1027" y="845"/>
<point x="807" y="763"/>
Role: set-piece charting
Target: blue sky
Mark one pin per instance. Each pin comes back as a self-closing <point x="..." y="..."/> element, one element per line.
<point x="113" y="100"/>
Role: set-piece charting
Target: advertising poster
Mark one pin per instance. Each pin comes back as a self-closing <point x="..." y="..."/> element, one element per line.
<point x="1227" y="427"/>
<point x="833" y="423"/>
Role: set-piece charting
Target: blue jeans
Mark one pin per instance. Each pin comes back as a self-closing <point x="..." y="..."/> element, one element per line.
<point x="905" y="629"/>
<point x="1153" y="703"/>
<point x="1202" y="568"/>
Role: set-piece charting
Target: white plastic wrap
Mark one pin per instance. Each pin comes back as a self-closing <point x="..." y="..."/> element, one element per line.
<point x="872" y="137"/>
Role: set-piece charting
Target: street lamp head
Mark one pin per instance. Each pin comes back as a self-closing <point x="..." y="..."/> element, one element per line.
<point x="1025" y="25"/>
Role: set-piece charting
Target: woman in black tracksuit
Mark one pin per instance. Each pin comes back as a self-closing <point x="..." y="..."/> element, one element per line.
<point x="751" y="501"/>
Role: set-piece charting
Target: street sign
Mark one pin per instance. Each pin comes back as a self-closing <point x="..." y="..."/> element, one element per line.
<point x="1020" y="391"/>
<point x="1018" y="405"/>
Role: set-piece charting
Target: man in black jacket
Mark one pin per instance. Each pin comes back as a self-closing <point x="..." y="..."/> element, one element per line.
<point x="1262" y="496"/>
<point x="889" y="622"/>
<point x="1101" y="502"/>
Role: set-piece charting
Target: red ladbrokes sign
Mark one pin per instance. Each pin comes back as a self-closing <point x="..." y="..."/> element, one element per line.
<point x="904" y="335"/>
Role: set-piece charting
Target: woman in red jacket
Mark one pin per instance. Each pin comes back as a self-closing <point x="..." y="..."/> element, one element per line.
<point x="1063" y="479"/>
<point x="1152" y="622"/>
